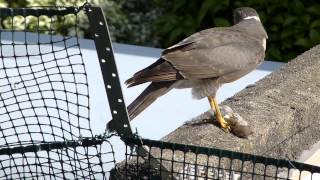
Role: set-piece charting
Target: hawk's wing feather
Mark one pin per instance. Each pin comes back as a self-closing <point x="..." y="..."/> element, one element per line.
<point x="213" y="53"/>
<point x="159" y="71"/>
<point x="196" y="40"/>
<point x="207" y="54"/>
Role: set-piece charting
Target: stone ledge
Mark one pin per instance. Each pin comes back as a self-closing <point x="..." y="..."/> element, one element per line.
<point x="282" y="110"/>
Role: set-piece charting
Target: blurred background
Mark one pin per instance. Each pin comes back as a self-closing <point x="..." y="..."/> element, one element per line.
<point x="293" y="26"/>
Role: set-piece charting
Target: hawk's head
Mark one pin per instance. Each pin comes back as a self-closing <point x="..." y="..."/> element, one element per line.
<point x="244" y="13"/>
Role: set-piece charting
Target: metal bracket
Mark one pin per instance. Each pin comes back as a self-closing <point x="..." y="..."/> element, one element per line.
<point x="120" y="121"/>
<point x="102" y="40"/>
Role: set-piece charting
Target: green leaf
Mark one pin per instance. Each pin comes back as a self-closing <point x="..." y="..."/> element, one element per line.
<point x="179" y="4"/>
<point x="290" y="55"/>
<point x="274" y="28"/>
<point x="204" y="9"/>
<point x="314" y="9"/>
<point x="287" y="33"/>
<point x="274" y="53"/>
<point x="277" y="19"/>
<point x="188" y="22"/>
<point x="263" y="16"/>
<point x="306" y="18"/>
<point x="297" y="7"/>
<point x="221" y="22"/>
<point x="302" y="41"/>
<point x="286" y="43"/>
<point x="166" y="24"/>
<point x="314" y="35"/>
<point x="175" y="34"/>
<point x="315" y="23"/>
<point x="271" y="9"/>
<point x="289" y="20"/>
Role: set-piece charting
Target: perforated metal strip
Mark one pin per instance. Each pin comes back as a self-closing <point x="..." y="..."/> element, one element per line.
<point x="104" y="49"/>
<point x="117" y="105"/>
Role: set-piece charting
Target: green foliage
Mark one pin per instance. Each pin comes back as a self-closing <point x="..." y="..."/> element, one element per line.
<point x="3" y="4"/>
<point x="293" y="26"/>
<point x="130" y="21"/>
<point x="63" y="26"/>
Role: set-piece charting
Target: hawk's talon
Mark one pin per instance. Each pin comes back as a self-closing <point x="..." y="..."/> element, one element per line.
<point x="224" y="124"/>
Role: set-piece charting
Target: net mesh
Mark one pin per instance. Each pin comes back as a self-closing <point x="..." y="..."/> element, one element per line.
<point x="44" y="98"/>
<point x="180" y="161"/>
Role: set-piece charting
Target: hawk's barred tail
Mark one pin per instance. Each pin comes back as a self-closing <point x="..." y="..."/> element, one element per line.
<point x="148" y="96"/>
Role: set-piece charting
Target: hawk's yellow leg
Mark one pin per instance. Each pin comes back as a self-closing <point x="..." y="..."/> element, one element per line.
<point x="214" y="105"/>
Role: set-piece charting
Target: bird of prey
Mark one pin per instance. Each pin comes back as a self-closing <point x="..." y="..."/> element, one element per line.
<point x="204" y="61"/>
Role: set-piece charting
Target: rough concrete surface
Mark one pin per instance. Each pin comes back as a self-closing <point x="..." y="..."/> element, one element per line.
<point x="283" y="110"/>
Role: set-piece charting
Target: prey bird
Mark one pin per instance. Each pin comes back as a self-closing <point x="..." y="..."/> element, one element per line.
<point x="204" y="61"/>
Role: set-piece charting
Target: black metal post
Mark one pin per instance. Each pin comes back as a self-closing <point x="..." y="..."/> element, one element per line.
<point x="102" y="40"/>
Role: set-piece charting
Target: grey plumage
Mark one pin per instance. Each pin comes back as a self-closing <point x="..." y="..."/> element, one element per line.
<point x="148" y="96"/>
<point x="204" y="61"/>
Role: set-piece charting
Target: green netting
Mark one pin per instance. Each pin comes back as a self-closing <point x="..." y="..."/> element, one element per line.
<point x="45" y="124"/>
<point x="180" y="161"/>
